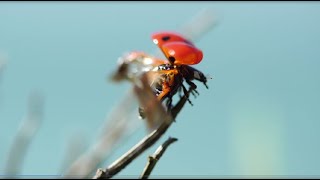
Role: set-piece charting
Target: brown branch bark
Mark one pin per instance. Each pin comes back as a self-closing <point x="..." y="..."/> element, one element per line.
<point x="155" y="157"/>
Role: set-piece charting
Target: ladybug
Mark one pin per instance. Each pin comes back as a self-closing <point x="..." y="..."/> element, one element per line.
<point x="180" y="53"/>
<point x="166" y="76"/>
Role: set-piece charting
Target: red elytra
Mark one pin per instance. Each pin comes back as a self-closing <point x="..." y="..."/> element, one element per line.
<point x="182" y="53"/>
<point x="163" y="37"/>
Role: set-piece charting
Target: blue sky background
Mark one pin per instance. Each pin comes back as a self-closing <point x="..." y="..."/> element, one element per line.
<point x="260" y="115"/>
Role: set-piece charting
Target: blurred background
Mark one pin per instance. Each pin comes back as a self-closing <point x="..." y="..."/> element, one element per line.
<point x="259" y="117"/>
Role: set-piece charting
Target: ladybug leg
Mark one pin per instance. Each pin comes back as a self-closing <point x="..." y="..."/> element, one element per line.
<point x="193" y="86"/>
<point x="185" y="91"/>
<point x="205" y="84"/>
<point x="163" y="94"/>
<point x="169" y="102"/>
<point x="193" y="93"/>
<point x="169" y="105"/>
<point x="202" y="79"/>
<point x="166" y="94"/>
<point x="193" y="73"/>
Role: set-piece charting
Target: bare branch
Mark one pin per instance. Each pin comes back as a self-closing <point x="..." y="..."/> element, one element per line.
<point x="29" y="127"/>
<point x="149" y="140"/>
<point x="156" y="156"/>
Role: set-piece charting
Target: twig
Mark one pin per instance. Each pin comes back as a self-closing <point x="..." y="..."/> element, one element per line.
<point x="29" y="126"/>
<point x="155" y="157"/>
<point x="138" y="149"/>
<point x="149" y="140"/>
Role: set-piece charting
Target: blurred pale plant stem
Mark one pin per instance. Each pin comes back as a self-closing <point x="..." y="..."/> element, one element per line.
<point x="3" y="64"/>
<point x="26" y="132"/>
<point x="118" y="125"/>
<point x="76" y="145"/>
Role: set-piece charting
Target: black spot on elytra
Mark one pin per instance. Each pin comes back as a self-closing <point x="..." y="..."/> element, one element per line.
<point x="165" y="38"/>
